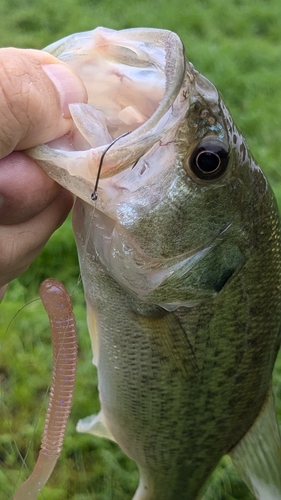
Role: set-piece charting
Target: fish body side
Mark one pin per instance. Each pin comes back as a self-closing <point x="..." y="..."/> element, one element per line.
<point x="179" y="389"/>
<point x="180" y="259"/>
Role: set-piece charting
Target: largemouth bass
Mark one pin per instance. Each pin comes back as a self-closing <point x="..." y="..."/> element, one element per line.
<point x="179" y="247"/>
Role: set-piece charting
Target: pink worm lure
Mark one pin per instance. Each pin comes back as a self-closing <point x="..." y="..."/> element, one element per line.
<point x="56" y="301"/>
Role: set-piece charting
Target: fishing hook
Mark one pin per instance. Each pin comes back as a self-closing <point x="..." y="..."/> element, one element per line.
<point x="94" y="195"/>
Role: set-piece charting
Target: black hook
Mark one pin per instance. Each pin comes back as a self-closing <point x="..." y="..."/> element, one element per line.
<point x="94" y="195"/>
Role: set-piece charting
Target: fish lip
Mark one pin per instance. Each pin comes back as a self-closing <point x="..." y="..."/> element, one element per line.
<point x="63" y="166"/>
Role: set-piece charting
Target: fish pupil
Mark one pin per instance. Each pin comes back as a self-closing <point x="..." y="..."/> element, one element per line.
<point x="209" y="161"/>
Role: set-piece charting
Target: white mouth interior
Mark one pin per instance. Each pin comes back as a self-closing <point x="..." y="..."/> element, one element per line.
<point x="127" y="95"/>
<point x="134" y="80"/>
<point x="124" y="89"/>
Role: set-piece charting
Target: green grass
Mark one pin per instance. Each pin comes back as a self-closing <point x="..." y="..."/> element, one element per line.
<point x="237" y="45"/>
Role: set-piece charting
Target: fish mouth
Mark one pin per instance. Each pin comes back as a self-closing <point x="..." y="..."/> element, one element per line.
<point x="135" y="80"/>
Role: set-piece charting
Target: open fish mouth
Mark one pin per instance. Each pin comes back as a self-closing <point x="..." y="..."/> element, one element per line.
<point x="134" y="79"/>
<point x="131" y="136"/>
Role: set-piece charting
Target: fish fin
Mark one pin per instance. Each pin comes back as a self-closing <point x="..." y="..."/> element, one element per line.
<point x="93" y="330"/>
<point x="171" y="343"/>
<point x="95" y="424"/>
<point x="257" y="457"/>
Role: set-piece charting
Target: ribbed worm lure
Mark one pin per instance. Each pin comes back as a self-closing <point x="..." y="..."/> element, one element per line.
<point x="56" y="301"/>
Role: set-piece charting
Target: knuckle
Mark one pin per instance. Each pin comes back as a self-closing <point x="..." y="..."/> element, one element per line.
<point x="12" y="100"/>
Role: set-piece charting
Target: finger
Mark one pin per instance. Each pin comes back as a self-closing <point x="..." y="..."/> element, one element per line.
<point x="35" y="90"/>
<point x="25" y="190"/>
<point x="3" y="291"/>
<point x="21" y="243"/>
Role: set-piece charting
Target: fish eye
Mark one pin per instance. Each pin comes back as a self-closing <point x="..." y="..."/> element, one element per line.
<point x="209" y="160"/>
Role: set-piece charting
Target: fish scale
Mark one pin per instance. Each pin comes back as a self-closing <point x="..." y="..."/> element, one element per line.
<point x="180" y="259"/>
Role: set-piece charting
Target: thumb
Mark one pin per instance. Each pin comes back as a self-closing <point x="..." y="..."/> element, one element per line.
<point x="35" y="90"/>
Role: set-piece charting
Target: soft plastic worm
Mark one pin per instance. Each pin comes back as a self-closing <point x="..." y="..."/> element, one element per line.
<point x="56" y="301"/>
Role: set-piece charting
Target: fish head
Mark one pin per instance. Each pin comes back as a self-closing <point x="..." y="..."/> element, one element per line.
<point x="169" y="191"/>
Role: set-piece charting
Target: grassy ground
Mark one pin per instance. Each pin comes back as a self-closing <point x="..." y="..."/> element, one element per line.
<point x="236" y="44"/>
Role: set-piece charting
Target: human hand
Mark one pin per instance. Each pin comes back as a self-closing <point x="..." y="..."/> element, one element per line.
<point x="35" y="90"/>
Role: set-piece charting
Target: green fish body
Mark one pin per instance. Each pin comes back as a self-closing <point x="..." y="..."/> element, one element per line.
<point x="180" y="259"/>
